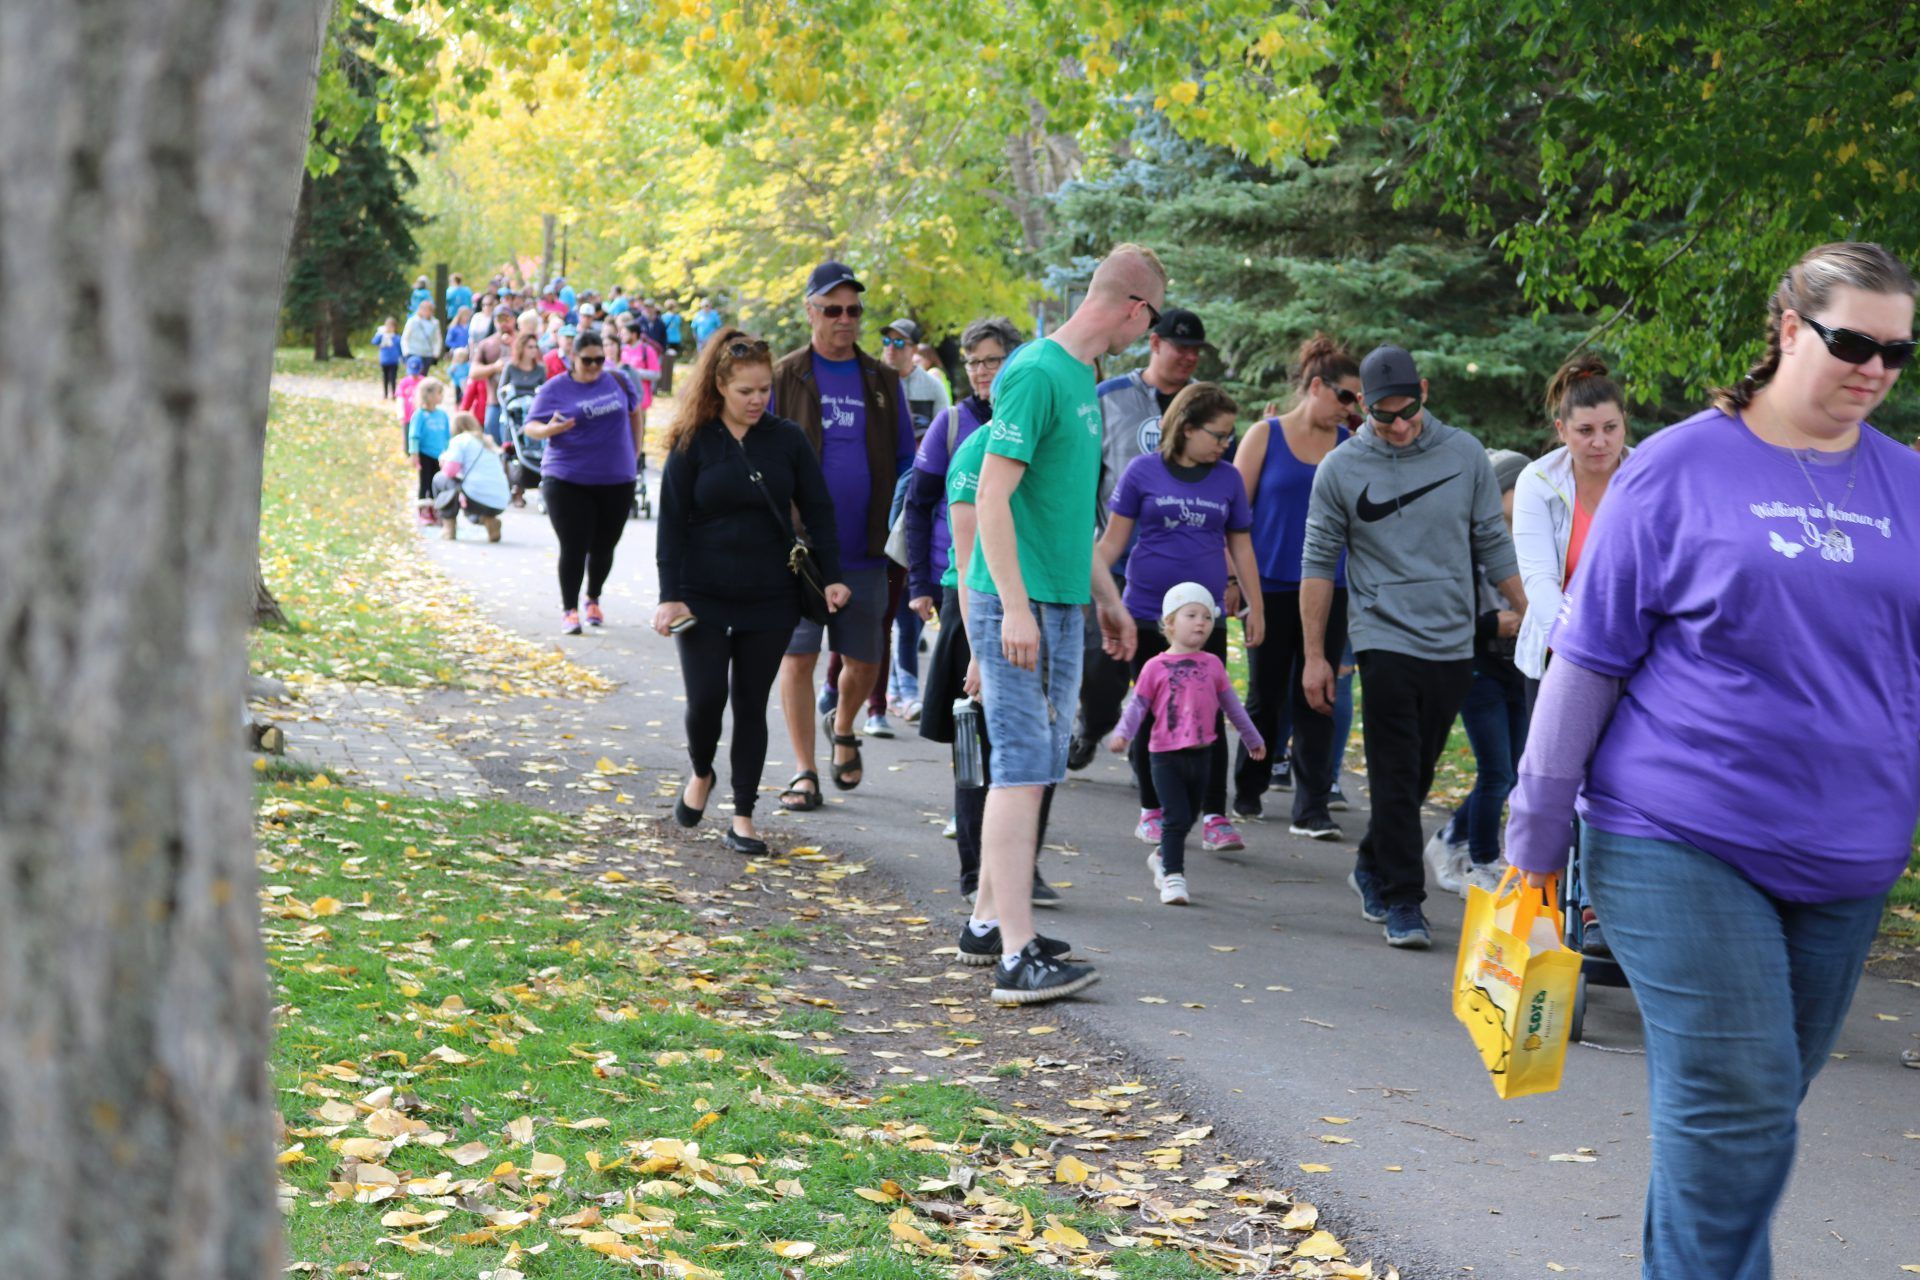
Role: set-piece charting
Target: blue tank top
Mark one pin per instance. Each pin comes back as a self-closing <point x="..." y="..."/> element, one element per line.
<point x="1280" y="514"/>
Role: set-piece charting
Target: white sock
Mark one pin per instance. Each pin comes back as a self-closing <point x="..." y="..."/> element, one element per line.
<point x="981" y="928"/>
<point x="1208" y="817"/>
<point x="1009" y="960"/>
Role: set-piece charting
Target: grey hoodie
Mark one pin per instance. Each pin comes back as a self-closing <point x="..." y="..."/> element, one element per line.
<point x="1419" y="525"/>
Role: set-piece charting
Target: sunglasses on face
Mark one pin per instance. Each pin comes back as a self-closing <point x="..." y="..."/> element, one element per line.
<point x="893" y="342"/>
<point x="1858" y="348"/>
<point x="1405" y="413"/>
<point x="740" y="350"/>
<point x="1346" y="397"/>
<point x="1153" y="312"/>
<point x="590" y="361"/>
<point x="834" y="311"/>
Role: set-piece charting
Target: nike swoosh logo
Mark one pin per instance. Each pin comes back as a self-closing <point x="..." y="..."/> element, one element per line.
<point x="1369" y="510"/>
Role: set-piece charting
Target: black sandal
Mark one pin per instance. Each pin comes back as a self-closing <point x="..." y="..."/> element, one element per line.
<point x="685" y="814"/>
<point x="855" y="765"/>
<point x="810" y="798"/>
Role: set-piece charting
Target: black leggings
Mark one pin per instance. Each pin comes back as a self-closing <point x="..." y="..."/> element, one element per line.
<point x="389" y="375"/>
<point x="588" y="519"/>
<point x="1154" y="641"/>
<point x="1274" y="672"/>
<point x="1182" y="778"/>
<point x="428" y="467"/>
<point x="721" y="666"/>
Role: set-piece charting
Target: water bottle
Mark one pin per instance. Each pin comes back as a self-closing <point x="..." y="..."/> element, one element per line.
<point x="969" y="769"/>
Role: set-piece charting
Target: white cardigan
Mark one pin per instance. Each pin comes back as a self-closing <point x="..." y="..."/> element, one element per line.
<point x="1542" y="527"/>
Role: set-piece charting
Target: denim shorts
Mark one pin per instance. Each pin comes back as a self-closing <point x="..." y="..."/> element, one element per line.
<point x="856" y="630"/>
<point x="1029" y="713"/>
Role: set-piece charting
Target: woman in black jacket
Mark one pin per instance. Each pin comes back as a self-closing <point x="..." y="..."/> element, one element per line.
<point x="727" y="595"/>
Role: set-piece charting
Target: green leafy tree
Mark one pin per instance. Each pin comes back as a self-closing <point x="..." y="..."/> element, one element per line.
<point x="1658" y="164"/>
<point x="354" y="230"/>
<point x="1267" y="257"/>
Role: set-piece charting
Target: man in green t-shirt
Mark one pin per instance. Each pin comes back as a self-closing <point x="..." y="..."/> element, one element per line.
<point x="1031" y="574"/>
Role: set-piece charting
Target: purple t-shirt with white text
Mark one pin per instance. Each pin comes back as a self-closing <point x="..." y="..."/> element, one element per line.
<point x="1180" y="529"/>
<point x="598" y="448"/>
<point x="843" y="453"/>
<point x="1770" y="648"/>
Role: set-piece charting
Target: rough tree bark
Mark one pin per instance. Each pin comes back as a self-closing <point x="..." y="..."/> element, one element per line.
<point x="150" y="155"/>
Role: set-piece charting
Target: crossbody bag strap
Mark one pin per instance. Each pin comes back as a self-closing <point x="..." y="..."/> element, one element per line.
<point x="759" y="482"/>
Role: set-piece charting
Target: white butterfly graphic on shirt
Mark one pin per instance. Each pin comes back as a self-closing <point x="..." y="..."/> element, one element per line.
<point x="1785" y="548"/>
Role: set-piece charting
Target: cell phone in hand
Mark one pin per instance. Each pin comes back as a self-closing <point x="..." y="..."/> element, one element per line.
<point x="680" y="624"/>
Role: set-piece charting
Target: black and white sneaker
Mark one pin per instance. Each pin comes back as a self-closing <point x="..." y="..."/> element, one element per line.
<point x="1337" y="799"/>
<point x="1281" y="777"/>
<point x="1373" y="907"/>
<point x="1316" y="829"/>
<point x="1044" y="894"/>
<point x="981" y="950"/>
<point x="1034" y="977"/>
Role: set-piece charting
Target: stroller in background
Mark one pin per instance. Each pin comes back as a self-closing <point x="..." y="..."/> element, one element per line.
<point x="523" y="452"/>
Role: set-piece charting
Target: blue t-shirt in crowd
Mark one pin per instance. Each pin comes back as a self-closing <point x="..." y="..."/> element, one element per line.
<point x="706" y="323"/>
<point x="429" y="432"/>
<point x="619" y="307"/>
<point x="672" y="319"/>
<point x="458" y="296"/>
<point x="567" y="296"/>
<point x="1280" y="514"/>
<point x="388" y="345"/>
<point x="1180" y="529"/>
<point x="457" y="336"/>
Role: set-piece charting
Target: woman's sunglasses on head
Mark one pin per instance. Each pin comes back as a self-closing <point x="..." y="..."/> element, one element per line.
<point x="742" y="349"/>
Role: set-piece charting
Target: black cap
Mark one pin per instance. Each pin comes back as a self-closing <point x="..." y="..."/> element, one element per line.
<point x="905" y="328"/>
<point x="1387" y="372"/>
<point x="829" y="276"/>
<point x="1181" y="327"/>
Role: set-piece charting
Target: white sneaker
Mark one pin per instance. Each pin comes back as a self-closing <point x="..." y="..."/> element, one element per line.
<point x="1158" y="868"/>
<point x="1487" y="877"/>
<point x="1446" y="863"/>
<point x="1173" y="891"/>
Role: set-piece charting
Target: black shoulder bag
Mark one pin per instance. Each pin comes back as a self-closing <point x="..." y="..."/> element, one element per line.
<point x="813" y="585"/>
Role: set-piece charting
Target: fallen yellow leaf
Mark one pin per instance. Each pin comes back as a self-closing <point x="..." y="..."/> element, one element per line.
<point x="1062" y="1234"/>
<point x="1321" y="1245"/>
<point x="791" y="1248"/>
<point x="1070" y="1170"/>
<point x="1316" y="1168"/>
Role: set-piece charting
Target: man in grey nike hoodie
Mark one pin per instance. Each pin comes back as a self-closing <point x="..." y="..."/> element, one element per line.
<point x="1415" y="505"/>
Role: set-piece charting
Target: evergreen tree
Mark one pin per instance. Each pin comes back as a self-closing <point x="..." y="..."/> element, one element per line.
<point x="1268" y="257"/>
<point x="353" y="234"/>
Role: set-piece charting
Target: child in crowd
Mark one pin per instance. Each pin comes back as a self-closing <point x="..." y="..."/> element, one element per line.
<point x="427" y="435"/>
<point x="477" y="396"/>
<point x="386" y="340"/>
<point x="1184" y="688"/>
<point x="409" y="385"/>
<point x="459" y="366"/>
<point x="471" y="476"/>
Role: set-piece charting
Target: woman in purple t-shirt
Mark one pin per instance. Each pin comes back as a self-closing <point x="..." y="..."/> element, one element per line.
<point x="1191" y="514"/>
<point x="1734" y="702"/>
<point x="593" y="425"/>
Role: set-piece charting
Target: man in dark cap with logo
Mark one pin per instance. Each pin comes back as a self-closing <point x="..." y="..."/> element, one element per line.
<point x="1130" y="409"/>
<point x="854" y="412"/>
<point x="926" y="398"/>
<point x="1415" y="505"/>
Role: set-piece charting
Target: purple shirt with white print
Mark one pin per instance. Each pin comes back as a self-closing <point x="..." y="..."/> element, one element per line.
<point x="1763" y="610"/>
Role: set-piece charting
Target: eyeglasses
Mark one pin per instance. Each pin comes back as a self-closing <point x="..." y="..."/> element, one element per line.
<point x="1405" y="413"/>
<point x="893" y="342"/>
<point x="1221" y="436"/>
<point x="1346" y="397"/>
<point x="590" y="361"/>
<point x="741" y="350"/>
<point x="834" y="311"/>
<point x="1153" y="312"/>
<point x="1858" y="348"/>
<point x="985" y="362"/>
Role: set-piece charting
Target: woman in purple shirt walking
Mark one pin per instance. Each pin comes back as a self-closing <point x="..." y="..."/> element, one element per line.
<point x="1747" y="597"/>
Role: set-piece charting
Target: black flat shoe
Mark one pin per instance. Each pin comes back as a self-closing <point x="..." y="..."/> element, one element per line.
<point x="750" y="846"/>
<point x="685" y="814"/>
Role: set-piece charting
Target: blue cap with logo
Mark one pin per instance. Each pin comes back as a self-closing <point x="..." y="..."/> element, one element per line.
<point x="829" y="276"/>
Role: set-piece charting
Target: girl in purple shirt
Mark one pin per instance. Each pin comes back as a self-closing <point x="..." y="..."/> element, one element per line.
<point x="1734" y="709"/>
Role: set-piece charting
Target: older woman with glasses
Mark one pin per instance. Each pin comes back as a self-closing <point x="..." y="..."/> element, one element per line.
<point x="594" y="427"/>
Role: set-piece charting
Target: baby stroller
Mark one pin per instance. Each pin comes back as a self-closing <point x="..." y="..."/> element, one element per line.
<point x="1605" y="973"/>
<point x="642" y="500"/>
<point x="523" y="452"/>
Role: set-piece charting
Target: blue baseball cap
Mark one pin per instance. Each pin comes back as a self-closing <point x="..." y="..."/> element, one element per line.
<point x="416" y="365"/>
<point x="829" y="276"/>
<point x="568" y="331"/>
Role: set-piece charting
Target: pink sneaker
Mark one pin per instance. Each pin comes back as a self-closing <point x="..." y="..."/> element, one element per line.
<point x="1148" y="832"/>
<point x="570" y="622"/>
<point x="595" y="618"/>
<point x="1219" y="836"/>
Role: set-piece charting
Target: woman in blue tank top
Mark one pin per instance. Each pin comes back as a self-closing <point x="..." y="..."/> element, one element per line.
<point x="1278" y="459"/>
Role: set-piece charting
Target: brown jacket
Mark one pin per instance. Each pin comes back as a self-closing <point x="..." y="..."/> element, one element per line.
<point x="795" y="397"/>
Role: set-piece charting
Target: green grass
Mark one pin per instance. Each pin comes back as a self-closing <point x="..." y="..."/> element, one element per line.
<point x="299" y="360"/>
<point x="457" y="963"/>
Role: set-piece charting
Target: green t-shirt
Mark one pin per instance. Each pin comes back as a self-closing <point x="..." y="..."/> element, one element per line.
<point x="963" y="482"/>
<point x="1046" y="413"/>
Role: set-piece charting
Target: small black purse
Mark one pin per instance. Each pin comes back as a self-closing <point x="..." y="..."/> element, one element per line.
<point x="800" y="559"/>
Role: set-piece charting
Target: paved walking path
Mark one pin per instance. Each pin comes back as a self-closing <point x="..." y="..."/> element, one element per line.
<point x="1278" y="1006"/>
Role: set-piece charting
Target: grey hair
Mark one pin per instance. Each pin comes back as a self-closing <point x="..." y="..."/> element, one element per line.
<point x="997" y="327"/>
<point x="1808" y="286"/>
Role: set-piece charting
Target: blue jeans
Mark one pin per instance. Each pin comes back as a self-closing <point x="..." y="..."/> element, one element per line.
<point x="1495" y="714"/>
<point x="903" y="682"/>
<point x="492" y="426"/>
<point x="1029" y="713"/>
<point x="1742" y="996"/>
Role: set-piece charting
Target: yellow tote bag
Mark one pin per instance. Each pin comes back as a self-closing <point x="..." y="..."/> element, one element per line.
<point x="1513" y="985"/>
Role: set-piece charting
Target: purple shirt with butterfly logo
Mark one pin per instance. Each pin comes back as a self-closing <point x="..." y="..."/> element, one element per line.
<point x="1763" y="610"/>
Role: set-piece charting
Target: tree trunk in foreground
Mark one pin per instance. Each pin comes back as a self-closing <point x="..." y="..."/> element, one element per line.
<point x="150" y="156"/>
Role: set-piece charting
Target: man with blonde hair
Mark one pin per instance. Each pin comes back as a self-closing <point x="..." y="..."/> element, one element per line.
<point x="1025" y="588"/>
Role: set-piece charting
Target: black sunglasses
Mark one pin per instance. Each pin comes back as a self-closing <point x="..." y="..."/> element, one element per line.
<point x="1404" y="413"/>
<point x="1153" y="312"/>
<point x="741" y="350"/>
<point x="834" y="311"/>
<point x="589" y="360"/>
<point x="1858" y="348"/>
<point x="1346" y="397"/>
